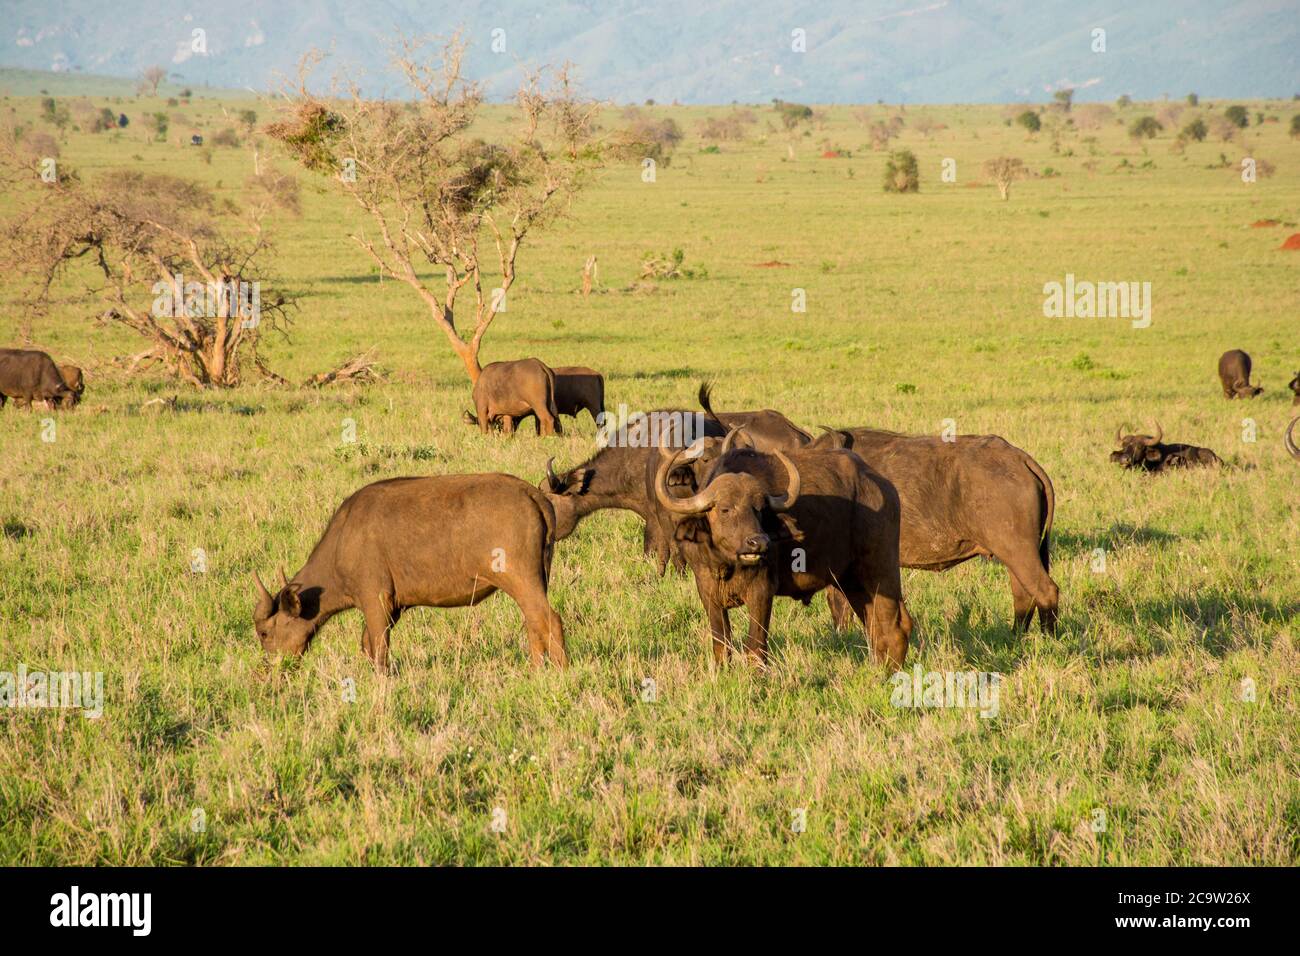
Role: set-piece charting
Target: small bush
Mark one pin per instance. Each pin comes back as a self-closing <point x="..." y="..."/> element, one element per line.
<point x="1144" y="127"/>
<point x="1030" y="121"/>
<point x="902" y="174"/>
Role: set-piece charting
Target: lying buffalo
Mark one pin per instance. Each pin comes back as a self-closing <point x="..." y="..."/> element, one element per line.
<point x="447" y="541"/>
<point x="72" y="378"/>
<point x="1234" y="375"/>
<point x="507" y="392"/>
<point x="1289" y="441"/>
<point x="578" y="387"/>
<point x="29" y="376"/>
<point x="1294" y="385"/>
<point x="791" y="524"/>
<point x="1152" y="454"/>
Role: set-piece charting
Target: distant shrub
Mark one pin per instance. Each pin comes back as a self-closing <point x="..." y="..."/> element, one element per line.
<point x="1238" y="115"/>
<point x="792" y="114"/>
<point x="1124" y="102"/>
<point x="1144" y="127"/>
<point x="1295" y="126"/>
<point x="656" y="266"/>
<point x="226" y="137"/>
<point x="1196" y="130"/>
<point x="1193" y="99"/>
<point x="1030" y="121"/>
<point x="902" y="173"/>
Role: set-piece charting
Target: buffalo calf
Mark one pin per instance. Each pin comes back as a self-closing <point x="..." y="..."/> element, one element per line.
<point x="445" y="541"/>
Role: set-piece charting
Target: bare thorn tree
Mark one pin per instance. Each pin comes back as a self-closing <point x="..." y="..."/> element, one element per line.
<point x="432" y="190"/>
<point x="168" y="259"/>
<point x="1004" y="170"/>
<point x="149" y="80"/>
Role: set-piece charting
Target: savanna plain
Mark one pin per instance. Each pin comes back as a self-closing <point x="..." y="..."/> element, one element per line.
<point x="1157" y="726"/>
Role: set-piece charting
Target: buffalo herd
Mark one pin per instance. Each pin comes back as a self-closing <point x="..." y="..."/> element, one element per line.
<point x="753" y="505"/>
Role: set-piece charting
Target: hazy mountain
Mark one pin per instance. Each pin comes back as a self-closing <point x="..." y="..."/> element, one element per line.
<point x="703" y="51"/>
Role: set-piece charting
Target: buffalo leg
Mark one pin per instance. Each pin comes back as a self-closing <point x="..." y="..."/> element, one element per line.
<point x="758" y="605"/>
<point x="379" y="619"/>
<point x="841" y="612"/>
<point x="544" y="626"/>
<point x="719" y="623"/>
<point x="1022" y="603"/>
<point x="1028" y="574"/>
<point x="885" y="621"/>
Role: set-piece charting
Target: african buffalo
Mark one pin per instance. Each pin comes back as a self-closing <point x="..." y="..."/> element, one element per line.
<point x="1234" y="375"/>
<point x="1151" y="454"/>
<point x="973" y="496"/>
<point x="621" y="474"/>
<point x="578" y="387"/>
<point x="28" y="376"/>
<point x="1294" y="385"/>
<point x="507" y="392"/>
<point x="444" y="541"/>
<point x="791" y="524"/>
<point x="73" y="378"/>
<point x="1289" y="442"/>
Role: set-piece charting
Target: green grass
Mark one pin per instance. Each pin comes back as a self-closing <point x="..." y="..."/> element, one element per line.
<point x="920" y="309"/>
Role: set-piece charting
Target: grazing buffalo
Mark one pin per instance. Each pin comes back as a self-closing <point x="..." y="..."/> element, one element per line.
<point x="29" y="376"/>
<point x="445" y="541"/>
<point x="507" y="392"/>
<point x="973" y="496"/>
<point x="72" y="378"/>
<point x="578" y="387"/>
<point x="1294" y="385"/>
<point x="1289" y="441"/>
<point x="791" y="524"/>
<point x="1152" y="454"/>
<point x="1234" y="375"/>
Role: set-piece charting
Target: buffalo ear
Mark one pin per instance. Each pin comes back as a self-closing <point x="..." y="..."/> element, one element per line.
<point x="289" y="602"/>
<point x="691" y="528"/>
<point x="579" y="479"/>
<point x="788" y="527"/>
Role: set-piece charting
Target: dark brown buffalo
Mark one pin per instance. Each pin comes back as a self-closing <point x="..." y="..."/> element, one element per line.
<point x="1234" y="375"/>
<point x="73" y="378"/>
<point x="446" y="541"/>
<point x="615" y="476"/>
<point x="578" y="387"/>
<point x="507" y="392"/>
<point x="1289" y="441"/>
<point x="1152" y="454"/>
<point x="974" y="496"/>
<point x="791" y="524"/>
<point x="1294" y="385"/>
<point x="28" y="376"/>
<point x="621" y="474"/>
